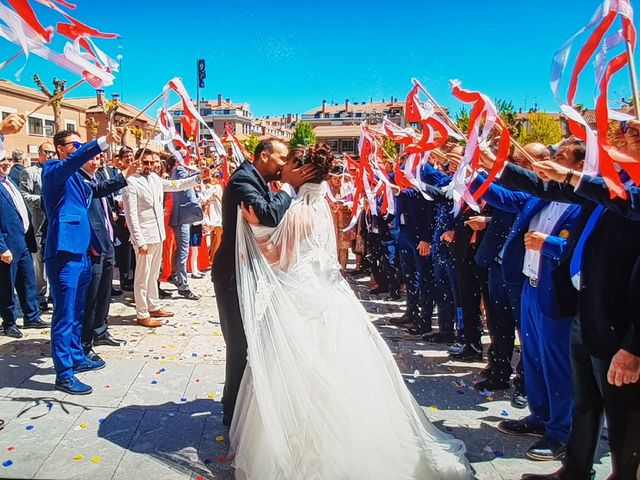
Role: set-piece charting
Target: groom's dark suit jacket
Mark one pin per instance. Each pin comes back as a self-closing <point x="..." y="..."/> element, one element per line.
<point x="246" y="185"/>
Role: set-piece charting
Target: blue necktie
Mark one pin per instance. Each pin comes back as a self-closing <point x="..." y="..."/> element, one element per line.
<point x="576" y="260"/>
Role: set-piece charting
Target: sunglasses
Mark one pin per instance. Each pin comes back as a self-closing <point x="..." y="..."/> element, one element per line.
<point x="75" y="144"/>
<point x="49" y="153"/>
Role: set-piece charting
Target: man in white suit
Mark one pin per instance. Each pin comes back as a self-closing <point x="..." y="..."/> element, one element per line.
<point x="144" y="213"/>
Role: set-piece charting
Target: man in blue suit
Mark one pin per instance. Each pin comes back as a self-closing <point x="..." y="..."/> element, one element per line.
<point x="17" y="242"/>
<point x="66" y="198"/>
<point x="540" y="240"/>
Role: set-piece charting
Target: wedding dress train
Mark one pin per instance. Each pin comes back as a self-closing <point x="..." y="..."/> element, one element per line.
<point x="321" y="397"/>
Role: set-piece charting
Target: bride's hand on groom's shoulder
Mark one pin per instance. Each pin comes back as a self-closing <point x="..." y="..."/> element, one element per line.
<point x="296" y="176"/>
<point x="249" y="215"/>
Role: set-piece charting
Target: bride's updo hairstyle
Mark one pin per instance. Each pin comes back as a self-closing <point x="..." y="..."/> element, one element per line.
<point x="320" y="156"/>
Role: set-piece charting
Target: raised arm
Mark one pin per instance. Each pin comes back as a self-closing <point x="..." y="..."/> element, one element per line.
<point x="107" y="187"/>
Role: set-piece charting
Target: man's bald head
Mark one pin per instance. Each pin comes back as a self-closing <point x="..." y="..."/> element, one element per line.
<point x="538" y="151"/>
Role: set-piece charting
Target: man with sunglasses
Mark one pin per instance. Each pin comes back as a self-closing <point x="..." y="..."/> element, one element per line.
<point x="31" y="189"/>
<point x="66" y="197"/>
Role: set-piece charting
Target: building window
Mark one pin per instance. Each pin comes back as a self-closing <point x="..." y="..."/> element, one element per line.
<point x="347" y="145"/>
<point x="70" y="126"/>
<point x="35" y="126"/>
<point x="226" y="112"/>
<point x="5" y="115"/>
<point x="49" y="128"/>
<point x="333" y="144"/>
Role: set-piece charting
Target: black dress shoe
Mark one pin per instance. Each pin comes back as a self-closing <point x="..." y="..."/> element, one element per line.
<point x="44" y="306"/>
<point x="115" y="292"/>
<point x="563" y="474"/>
<point x="13" y="331"/>
<point x="493" y="384"/>
<point x="519" y="400"/>
<point x="546" y="449"/>
<point x="439" y="337"/>
<point x="189" y="295"/>
<point x="393" y="297"/>
<point x="521" y="427"/>
<point x="418" y="330"/>
<point x="378" y="290"/>
<point x="92" y="355"/>
<point x="39" y="323"/>
<point x="469" y="353"/>
<point x="164" y="293"/>
<point x="107" y="339"/>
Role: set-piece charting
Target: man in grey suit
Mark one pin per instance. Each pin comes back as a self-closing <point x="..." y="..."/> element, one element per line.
<point x="184" y="206"/>
<point x="31" y="187"/>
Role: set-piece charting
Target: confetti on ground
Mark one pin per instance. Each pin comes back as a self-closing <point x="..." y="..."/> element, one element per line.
<point x="194" y="354"/>
<point x="498" y="454"/>
<point x="411" y="380"/>
<point x="78" y="457"/>
<point x="171" y="359"/>
<point x="199" y="477"/>
<point x="107" y="386"/>
<point x="220" y="438"/>
<point x="95" y="459"/>
<point x="7" y="463"/>
<point x="197" y="380"/>
<point x="416" y="373"/>
<point x="212" y="396"/>
<point x="504" y="413"/>
<point x="29" y="427"/>
<point x="433" y="407"/>
<point x="83" y="425"/>
<point x="153" y="382"/>
<point x="183" y="399"/>
<point x="49" y="405"/>
<point x="101" y="421"/>
<point x="10" y="449"/>
<point x="163" y="362"/>
<point x="490" y="398"/>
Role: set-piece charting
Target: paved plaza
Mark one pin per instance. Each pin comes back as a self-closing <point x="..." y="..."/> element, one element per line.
<point x="155" y="412"/>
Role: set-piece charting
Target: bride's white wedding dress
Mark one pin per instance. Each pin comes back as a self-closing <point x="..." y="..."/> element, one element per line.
<point x="321" y="397"/>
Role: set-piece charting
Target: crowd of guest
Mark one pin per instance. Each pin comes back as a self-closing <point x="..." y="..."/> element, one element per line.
<point x="549" y="259"/>
<point x="81" y="225"/>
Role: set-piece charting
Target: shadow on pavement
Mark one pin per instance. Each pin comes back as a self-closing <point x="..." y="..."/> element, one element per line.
<point x="188" y="439"/>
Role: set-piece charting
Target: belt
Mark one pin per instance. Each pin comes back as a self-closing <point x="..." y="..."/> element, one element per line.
<point x="533" y="282"/>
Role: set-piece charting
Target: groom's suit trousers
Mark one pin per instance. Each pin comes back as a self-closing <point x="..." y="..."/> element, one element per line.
<point x="233" y="332"/>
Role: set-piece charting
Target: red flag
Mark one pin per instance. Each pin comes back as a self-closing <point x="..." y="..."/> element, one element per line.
<point x="23" y="8"/>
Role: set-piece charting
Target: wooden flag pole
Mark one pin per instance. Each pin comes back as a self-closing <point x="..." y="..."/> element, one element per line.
<point x="149" y="105"/>
<point x="634" y="79"/>
<point x="55" y="97"/>
<point x="17" y="55"/>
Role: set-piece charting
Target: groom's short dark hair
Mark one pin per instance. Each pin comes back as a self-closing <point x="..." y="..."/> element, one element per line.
<point x="266" y="145"/>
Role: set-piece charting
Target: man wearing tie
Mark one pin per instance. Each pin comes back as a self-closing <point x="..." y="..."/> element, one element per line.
<point x="17" y="241"/>
<point x="94" y="318"/>
<point x="31" y="189"/>
<point x="66" y="199"/>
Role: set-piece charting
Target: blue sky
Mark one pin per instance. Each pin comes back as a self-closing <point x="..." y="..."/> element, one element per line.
<point x="286" y="57"/>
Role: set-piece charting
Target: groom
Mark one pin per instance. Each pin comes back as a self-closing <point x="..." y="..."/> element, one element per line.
<point x="248" y="186"/>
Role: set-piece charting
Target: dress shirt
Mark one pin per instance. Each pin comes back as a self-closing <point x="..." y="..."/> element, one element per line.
<point x="17" y="200"/>
<point x="544" y="222"/>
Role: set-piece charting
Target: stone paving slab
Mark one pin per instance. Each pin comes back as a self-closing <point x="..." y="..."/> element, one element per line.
<point x="84" y="452"/>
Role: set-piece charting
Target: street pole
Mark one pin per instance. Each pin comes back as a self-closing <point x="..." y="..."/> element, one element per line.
<point x="198" y="109"/>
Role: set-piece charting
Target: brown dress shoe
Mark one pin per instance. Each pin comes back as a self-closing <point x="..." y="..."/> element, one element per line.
<point x="160" y="313"/>
<point x="149" y="322"/>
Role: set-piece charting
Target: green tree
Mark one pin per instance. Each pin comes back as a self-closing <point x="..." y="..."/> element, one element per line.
<point x="542" y="128"/>
<point x="509" y="116"/>
<point x="303" y="135"/>
<point x="462" y="120"/>
<point x="390" y="148"/>
<point x="250" y="143"/>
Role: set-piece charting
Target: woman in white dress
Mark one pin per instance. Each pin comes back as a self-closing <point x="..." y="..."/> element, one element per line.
<point x="212" y="196"/>
<point x="321" y="397"/>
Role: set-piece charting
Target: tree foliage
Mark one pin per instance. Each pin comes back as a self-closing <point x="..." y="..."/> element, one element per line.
<point x="303" y="135"/>
<point x="390" y="148"/>
<point x="462" y="120"/>
<point x="251" y="142"/>
<point x="542" y="128"/>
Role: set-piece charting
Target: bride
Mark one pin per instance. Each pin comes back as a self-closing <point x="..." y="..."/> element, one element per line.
<point x="321" y="397"/>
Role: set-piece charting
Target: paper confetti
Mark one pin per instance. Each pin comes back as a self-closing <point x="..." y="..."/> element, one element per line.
<point x="153" y="382"/>
<point x="95" y="459"/>
<point x="504" y="413"/>
<point x="107" y="386"/>
<point x="83" y="425"/>
<point x="10" y="449"/>
<point x="416" y="373"/>
<point x="212" y="396"/>
<point x="220" y="438"/>
<point x="29" y="427"/>
<point x="7" y="463"/>
<point x="433" y="407"/>
<point x="78" y="457"/>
